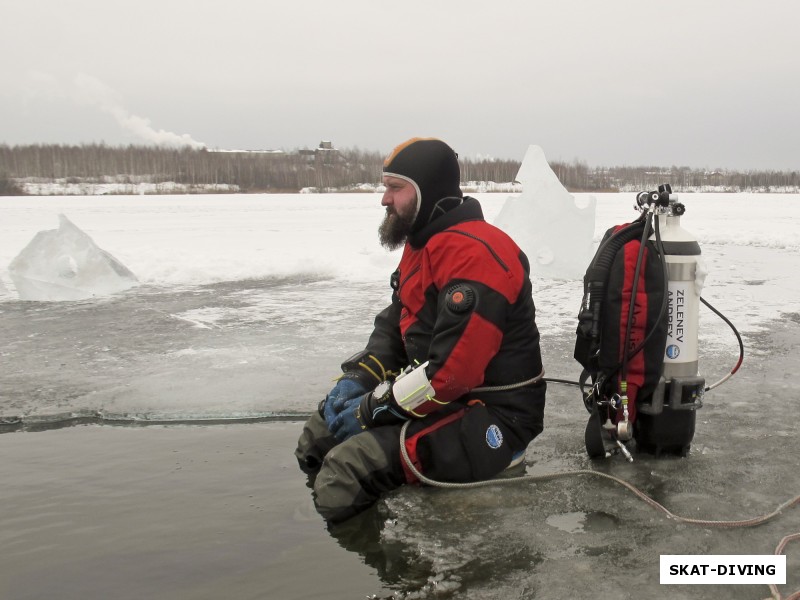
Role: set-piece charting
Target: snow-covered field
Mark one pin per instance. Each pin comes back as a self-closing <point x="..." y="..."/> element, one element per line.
<point x="750" y="242"/>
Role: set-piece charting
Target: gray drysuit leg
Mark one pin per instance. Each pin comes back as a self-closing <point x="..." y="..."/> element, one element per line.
<point x="352" y="475"/>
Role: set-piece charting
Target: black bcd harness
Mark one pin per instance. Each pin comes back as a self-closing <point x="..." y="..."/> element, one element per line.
<point x="621" y="331"/>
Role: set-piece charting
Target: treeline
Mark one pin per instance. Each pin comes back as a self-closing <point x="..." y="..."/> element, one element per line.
<point x="250" y="171"/>
<point x="578" y="176"/>
<point x="328" y="168"/>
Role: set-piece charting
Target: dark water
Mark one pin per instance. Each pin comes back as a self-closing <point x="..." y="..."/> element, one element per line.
<point x="251" y="350"/>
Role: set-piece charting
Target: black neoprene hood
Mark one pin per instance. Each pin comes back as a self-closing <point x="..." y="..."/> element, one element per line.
<point x="432" y="166"/>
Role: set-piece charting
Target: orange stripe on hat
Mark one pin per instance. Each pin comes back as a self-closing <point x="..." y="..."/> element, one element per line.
<point x="398" y="149"/>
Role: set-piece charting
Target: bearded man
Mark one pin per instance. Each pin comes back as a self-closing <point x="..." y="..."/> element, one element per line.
<point x="453" y="362"/>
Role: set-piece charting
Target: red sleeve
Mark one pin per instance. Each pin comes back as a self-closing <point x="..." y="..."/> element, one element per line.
<point x="465" y="341"/>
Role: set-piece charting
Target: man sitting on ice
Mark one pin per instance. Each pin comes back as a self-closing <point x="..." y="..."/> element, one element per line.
<point x="455" y="355"/>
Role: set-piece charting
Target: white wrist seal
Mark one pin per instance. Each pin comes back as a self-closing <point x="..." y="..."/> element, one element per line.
<point x="412" y="388"/>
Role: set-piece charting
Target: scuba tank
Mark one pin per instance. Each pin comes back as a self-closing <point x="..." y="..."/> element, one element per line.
<point x="667" y="421"/>
<point x="637" y="333"/>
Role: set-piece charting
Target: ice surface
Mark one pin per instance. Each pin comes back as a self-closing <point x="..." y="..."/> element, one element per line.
<point x="66" y="264"/>
<point x="547" y="223"/>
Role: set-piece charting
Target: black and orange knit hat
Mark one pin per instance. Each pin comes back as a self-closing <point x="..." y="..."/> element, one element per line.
<point x="432" y="167"/>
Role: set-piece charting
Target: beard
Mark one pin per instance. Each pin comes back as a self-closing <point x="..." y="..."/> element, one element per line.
<point x="394" y="228"/>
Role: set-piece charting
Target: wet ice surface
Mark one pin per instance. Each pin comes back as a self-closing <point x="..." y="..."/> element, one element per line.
<point x="243" y="349"/>
<point x="227" y="350"/>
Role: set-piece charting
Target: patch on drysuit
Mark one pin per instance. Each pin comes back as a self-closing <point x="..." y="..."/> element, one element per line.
<point x="489" y="453"/>
<point x="460" y="297"/>
<point x="494" y="437"/>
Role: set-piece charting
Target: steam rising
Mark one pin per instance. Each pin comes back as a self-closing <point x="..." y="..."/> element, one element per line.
<point x="93" y="92"/>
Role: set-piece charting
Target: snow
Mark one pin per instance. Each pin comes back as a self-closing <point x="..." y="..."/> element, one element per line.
<point x="109" y="185"/>
<point x="750" y="242"/>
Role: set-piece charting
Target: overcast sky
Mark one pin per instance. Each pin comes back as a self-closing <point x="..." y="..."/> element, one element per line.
<point x="612" y="82"/>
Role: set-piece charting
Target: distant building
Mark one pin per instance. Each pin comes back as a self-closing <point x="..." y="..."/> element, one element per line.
<point x="325" y="153"/>
<point x="273" y="152"/>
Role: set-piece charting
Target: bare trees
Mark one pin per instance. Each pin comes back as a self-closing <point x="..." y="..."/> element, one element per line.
<point x="328" y="168"/>
<point x="255" y="171"/>
<point x="488" y="170"/>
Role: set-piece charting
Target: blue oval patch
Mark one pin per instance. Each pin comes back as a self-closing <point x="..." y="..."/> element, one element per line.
<point x="494" y="437"/>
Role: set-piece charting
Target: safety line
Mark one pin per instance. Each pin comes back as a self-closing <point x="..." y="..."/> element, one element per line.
<point x="560" y="474"/>
<point x="630" y="487"/>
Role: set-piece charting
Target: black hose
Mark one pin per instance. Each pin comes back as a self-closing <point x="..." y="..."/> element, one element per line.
<point x="735" y="331"/>
<point x="631" y="305"/>
<point x="597" y="273"/>
<point x="665" y="283"/>
<point x="626" y="233"/>
<point x="662" y="310"/>
<point x="660" y="316"/>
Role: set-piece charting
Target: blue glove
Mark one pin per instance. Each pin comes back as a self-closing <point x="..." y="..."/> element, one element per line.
<point x="344" y="390"/>
<point x="373" y="409"/>
<point x="349" y="421"/>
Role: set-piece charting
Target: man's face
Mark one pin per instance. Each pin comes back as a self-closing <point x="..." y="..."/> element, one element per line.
<point x="400" y="200"/>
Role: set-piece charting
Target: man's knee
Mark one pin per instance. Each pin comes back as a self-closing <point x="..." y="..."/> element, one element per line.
<point x="314" y="443"/>
<point x="355" y="473"/>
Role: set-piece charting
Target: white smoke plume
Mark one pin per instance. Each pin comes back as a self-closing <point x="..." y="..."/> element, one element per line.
<point x="91" y="91"/>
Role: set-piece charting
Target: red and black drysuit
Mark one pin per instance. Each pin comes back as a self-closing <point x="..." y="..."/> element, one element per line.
<point x="461" y="301"/>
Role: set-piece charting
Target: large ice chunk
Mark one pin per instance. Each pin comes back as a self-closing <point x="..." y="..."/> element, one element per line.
<point x="66" y="264"/>
<point x="547" y="223"/>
